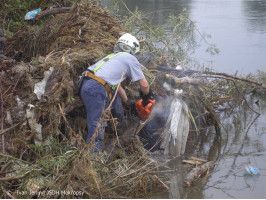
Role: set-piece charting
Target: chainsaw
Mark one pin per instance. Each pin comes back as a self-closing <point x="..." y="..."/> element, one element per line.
<point x="143" y="110"/>
<point x="140" y="111"/>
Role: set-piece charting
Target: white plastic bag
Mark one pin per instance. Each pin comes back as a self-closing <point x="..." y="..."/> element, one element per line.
<point x="176" y="129"/>
<point x="39" y="88"/>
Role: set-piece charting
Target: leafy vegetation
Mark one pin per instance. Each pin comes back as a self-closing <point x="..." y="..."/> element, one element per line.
<point x="175" y="40"/>
<point x="12" y="12"/>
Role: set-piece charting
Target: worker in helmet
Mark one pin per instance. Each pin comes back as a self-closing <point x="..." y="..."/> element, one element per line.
<point x="101" y="80"/>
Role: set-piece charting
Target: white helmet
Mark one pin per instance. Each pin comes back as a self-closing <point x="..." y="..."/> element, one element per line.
<point x="131" y="41"/>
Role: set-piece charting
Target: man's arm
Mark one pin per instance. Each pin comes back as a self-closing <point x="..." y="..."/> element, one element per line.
<point x="122" y="94"/>
<point x="144" y="86"/>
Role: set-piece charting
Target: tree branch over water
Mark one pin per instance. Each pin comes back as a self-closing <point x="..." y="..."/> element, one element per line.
<point x="261" y="85"/>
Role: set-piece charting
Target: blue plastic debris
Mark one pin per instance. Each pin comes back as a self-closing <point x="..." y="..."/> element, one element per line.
<point x="252" y="170"/>
<point x="31" y="14"/>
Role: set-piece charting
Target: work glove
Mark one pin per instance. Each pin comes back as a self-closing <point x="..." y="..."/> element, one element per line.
<point x="145" y="98"/>
<point x="130" y="107"/>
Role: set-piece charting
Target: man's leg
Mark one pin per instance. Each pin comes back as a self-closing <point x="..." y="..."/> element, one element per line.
<point x="95" y="101"/>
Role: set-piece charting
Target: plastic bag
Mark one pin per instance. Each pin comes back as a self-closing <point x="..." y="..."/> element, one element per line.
<point x="176" y="129"/>
<point x="39" y="88"/>
<point x="37" y="128"/>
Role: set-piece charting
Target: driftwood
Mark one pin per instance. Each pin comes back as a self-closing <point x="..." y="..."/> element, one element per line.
<point x="53" y="11"/>
<point x="194" y="161"/>
<point x="197" y="172"/>
<point x="186" y="80"/>
<point x="198" y="159"/>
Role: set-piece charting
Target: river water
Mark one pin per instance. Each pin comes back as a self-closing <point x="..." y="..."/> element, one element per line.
<point x="238" y="29"/>
<point x="242" y="143"/>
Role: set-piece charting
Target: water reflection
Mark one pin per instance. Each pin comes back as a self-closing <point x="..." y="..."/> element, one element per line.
<point x="239" y="150"/>
<point x="238" y="29"/>
<point x="156" y="10"/>
<point x="159" y="10"/>
<point x="255" y="13"/>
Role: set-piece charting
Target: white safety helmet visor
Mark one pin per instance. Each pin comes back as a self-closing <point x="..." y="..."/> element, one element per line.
<point x="131" y="41"/>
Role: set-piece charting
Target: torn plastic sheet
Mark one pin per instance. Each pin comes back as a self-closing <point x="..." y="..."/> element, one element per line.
<point x="9" y="118"/>
<point x="37" y="128"/>
<point x="39" y="88"/>
<point x="20" y="111"/>
<point x="177" y="129"/>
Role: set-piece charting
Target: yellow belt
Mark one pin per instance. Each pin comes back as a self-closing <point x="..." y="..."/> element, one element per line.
<point x="100" y="80"/>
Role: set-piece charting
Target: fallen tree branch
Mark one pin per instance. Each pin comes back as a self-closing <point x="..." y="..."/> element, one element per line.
<point x="160" y="181"/>
<point x="261" y="85"/>
<point x="11" y="178"/>
<point x="53" y="11"/>
<point x="10" y="128"/>
<point x="198" y="159"/>
<point x="186" y="80"/>
<point x="195" y="173"/>
<point x="232" y="79"/>
<point x="244" y="98"/>
<point x="243" y="143"/>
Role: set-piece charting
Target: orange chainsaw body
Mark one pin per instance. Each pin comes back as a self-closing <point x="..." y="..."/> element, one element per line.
<point x="144" y="111"/>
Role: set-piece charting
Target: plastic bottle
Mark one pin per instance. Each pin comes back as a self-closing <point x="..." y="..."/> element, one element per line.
<point x="31" y="14"/>
<point x="252" y="170"/>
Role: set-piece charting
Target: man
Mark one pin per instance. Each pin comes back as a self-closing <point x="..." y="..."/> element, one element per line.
<point x="101" y="80"/>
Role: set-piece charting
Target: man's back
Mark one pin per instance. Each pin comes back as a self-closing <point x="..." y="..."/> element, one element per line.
<point x="112" y="70"/>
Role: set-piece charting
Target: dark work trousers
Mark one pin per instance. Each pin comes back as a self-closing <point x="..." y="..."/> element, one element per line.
<point x="96" y="100"/>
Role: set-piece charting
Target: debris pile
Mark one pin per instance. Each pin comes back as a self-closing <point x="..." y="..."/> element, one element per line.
<point x="43" y="122"/>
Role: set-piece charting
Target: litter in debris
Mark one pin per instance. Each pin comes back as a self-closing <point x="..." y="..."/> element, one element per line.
<point x="31" y="14"/>
<point x="252" y="170"/>
<point x="39" y="88"/>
